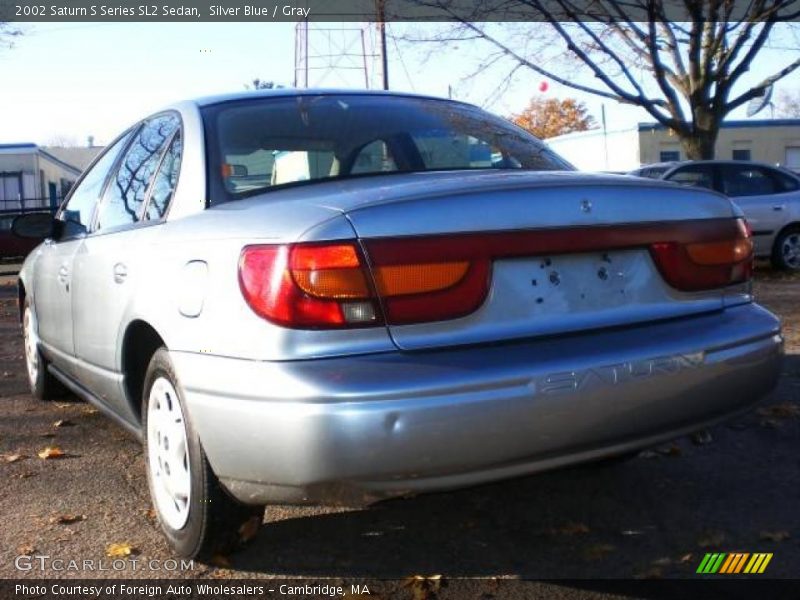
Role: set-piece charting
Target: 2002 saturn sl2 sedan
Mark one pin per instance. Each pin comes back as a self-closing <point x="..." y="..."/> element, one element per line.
<point x="315" y="297"/>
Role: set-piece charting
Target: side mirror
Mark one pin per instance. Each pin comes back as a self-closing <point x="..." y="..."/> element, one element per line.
<point x="34" y="225"/>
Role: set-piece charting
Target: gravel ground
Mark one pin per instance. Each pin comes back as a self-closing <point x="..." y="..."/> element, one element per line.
<point x="651" y="517"/>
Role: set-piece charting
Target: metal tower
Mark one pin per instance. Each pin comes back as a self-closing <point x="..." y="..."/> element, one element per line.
<point x="326" y="55"/>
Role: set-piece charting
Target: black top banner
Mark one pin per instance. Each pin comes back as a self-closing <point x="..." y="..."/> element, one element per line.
<point x="382" y="10"/>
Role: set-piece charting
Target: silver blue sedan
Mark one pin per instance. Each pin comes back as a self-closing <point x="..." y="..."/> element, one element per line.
<point x="339" y="297"/>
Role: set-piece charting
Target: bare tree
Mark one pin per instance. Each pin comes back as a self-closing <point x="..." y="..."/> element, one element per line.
<point x="7" y="34"/>
<point x="62" y="140"/>
<point x="680" y="60"/>
<point x="788" y="104"/>
<point x="262" y="84"/>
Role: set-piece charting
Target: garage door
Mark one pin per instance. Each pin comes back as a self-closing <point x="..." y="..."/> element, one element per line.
<point x="793" y="158"/>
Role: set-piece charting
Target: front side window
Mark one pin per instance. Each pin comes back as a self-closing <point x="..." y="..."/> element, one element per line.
<point x="695" y="175"/>
<point x="127" y="191"/>
<point x="77" y="213"/>
<point x="257" y="145"/>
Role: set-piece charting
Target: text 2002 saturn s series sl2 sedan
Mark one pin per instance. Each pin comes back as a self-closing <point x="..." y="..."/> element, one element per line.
<point x="315" y="297"/>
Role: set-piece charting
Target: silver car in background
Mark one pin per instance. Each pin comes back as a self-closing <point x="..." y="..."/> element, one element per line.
<point x="339" y="297"/>
<point x="768" y="196"/>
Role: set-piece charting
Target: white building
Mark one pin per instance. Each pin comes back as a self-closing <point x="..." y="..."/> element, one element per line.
<point x="775" y="141"/>
<point x="31" y="177"/>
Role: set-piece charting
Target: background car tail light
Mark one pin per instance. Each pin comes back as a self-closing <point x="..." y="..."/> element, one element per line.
<point x="311" y="286"/>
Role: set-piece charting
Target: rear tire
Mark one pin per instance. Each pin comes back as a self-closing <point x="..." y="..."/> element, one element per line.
<point x="44" y="386"/>
<point x="786" y="251"/>
<point x="198" y="517"/>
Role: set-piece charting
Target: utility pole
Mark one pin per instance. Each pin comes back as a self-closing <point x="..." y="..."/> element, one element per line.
<point x="381" y="13"/>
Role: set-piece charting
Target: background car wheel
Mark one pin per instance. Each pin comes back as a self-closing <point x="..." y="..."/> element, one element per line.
<point x="196" y="514"/>
<point x="44" y="385"/>
<point x="786" y="252"/>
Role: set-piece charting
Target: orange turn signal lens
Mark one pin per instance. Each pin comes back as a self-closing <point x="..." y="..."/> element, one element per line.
<point x="332" y="283"/>
<point x="400" y="280"/>
<point x="720" y="253"/>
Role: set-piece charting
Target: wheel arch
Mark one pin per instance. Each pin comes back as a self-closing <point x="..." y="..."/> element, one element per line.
<point x="21" y="295"/>
<point x="139" y="342"/>
<point x="787" y="227"/>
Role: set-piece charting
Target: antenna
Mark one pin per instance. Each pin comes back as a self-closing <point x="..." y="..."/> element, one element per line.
<point x="758" y="103"/>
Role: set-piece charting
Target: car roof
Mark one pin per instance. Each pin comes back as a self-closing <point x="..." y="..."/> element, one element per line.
<point x="290" y="92"/>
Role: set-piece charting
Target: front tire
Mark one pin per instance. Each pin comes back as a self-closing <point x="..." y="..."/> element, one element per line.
<point x="198" y="517"/>
<point x="786" y="251"/>
<point x="44" y="386"/>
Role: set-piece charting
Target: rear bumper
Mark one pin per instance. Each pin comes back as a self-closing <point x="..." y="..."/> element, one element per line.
<point x="357" y="429"/>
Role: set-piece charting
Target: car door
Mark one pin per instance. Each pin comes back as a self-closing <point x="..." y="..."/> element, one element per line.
<point x="762" y="195"/>
<point x="113" y="257"/>
<point x="53" y="273"/>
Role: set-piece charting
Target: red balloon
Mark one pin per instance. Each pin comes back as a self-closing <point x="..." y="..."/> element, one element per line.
<point x="543" y="86"/>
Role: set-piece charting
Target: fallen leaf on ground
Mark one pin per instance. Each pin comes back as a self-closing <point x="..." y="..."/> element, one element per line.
<point x="774" y="536"/>
<point x="711" y="538"/>
<point x="67" y="519"/>
<point x="219" y="560"/>
<point x="63" y="423"/>
<point x="422" y="587"/>
<point x="598" y="551"/>
<point x="26" y="549"/>
<point x="119" y="550"/>
<point x="651" y="573"/>
<point x="686" y="557"/>
<point x="52" y="452"/>
<point x="570" y="529"/>
<point x="12" y="458"/>
<point x="249" y="529"/>
<point x="89" y="411"/>
<point x="784" y="410"/>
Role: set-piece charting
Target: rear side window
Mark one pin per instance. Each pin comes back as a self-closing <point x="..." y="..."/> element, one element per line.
<point x="256" y="145"/>
<point x="165" y="181"/>
<point x="741" y="180"/>
<point x="77" y="213"/>
<point x="127" y="191"/>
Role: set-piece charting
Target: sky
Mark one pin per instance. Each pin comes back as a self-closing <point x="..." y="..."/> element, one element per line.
<point x="67" y="81"/>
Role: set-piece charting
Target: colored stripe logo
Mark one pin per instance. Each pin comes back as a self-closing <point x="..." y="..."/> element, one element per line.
<point x="734" y="562"/>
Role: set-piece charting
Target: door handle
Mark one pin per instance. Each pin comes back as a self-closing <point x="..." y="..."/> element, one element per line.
<point x="63" y="274"/>
<point x="778" y="207"/>
<point x="120" y="273"/>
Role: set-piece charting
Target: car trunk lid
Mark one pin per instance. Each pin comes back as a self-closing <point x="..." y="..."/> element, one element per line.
<point x="561" y="253"/>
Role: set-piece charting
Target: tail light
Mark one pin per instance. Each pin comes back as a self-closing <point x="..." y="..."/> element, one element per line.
<point x="327" y="286"/>
<point x="434" y="278"/>
<point x="313" y="286"/>
<point x="703" y="265"/>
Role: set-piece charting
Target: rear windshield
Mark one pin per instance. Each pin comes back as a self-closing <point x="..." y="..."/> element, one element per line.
<point x="266" y="143"/>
